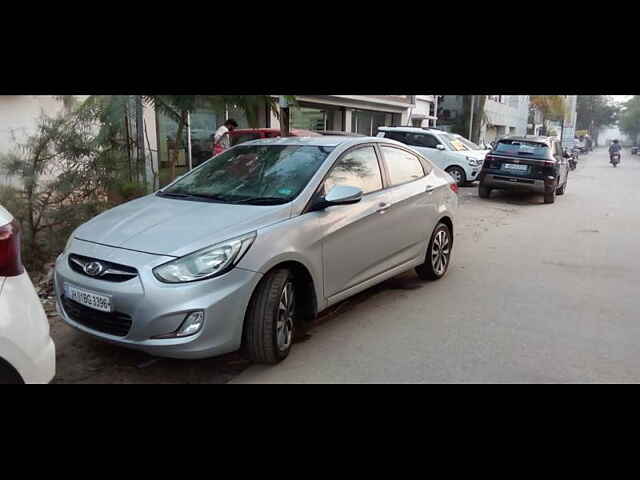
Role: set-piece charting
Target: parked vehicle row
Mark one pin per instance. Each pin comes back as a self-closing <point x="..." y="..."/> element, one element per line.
<point x="248" y="248"/>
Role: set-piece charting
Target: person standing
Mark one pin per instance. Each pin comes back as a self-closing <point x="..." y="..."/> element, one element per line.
<point x="221" y="140"/>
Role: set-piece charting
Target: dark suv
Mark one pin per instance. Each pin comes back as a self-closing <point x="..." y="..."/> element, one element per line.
<point x="535" y="164"/>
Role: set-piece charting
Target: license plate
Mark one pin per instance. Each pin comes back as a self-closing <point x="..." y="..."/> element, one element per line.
<point x="511" y="166"/>
<point x="88" y="299"/>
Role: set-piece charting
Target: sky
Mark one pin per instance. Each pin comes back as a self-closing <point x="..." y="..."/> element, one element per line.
<point x="621" y="98"/>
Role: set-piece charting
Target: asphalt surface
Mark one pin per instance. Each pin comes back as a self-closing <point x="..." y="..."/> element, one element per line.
<point x="535" y="294"/>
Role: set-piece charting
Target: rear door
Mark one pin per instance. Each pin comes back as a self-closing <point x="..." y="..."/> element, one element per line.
<point x="415" y="191"/>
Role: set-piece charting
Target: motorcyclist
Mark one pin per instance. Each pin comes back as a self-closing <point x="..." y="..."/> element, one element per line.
<point x="613" y="149"/>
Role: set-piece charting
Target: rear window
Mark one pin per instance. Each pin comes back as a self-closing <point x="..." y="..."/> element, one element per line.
<point x="523" y="147"/>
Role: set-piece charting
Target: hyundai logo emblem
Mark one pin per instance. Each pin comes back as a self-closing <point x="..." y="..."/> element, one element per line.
<point x="94" y="269"/>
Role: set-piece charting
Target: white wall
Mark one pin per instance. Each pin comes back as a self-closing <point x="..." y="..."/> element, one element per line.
<point x="19" y="115"/>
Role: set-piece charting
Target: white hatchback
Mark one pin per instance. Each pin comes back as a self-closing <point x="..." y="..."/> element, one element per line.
<point x="27" y="352"/>
<point x="456" y="155"/>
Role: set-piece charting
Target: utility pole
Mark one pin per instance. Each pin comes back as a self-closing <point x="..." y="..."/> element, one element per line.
<point x="471" y="119"/>
<point x="189" y="158"/>
<point x="141" y="167"/>
<point x="284" y="116"/>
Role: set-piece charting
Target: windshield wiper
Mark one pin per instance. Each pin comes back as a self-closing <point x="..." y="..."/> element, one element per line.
<point x="216" y="198"/>
<point x="263" y="200"/>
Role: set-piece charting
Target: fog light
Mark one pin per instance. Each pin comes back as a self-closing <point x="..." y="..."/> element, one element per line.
<point x="192" y="324"/>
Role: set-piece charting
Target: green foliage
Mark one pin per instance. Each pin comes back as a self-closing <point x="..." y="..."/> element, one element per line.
<point x="595" y="112"/>
<point x="630" y="118"/>
<point x="553" y="107"/>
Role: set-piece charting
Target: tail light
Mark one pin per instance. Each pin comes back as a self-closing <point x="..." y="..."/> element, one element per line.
<point x="10" y="259"/>
<point x="454" y="187"/>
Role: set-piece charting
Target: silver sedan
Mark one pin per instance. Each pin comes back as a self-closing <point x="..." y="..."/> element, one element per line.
<point x="254" y="243"/>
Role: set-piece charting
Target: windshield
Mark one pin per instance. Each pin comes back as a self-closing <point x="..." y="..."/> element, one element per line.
<point x="453" y="143"/>
<point x="522" y="147"/>
<point x="253" y="174"/>
<point x="468" y="143"/>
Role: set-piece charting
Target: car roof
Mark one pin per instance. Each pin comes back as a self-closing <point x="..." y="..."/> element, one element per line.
<point x="297" y="131"/>
<point x="320" y="141"/>
<point x="529" y="138"/>
<point x="411" y="130"/>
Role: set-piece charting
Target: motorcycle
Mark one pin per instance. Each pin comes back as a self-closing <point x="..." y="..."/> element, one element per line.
<point x="573" y="160"/>
<point x="615" y="159"/>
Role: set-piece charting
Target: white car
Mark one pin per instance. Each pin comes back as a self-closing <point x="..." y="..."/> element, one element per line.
<point x="459" y="157"/>
<point x="27" y="352"/>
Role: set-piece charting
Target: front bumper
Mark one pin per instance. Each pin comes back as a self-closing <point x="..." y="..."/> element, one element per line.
<point x="156" y="308"/>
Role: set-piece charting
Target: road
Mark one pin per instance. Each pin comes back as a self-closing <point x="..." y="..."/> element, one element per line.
<point x="535" y="294"/>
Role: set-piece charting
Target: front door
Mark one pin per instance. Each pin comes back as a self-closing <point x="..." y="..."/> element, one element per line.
<point x="357" y="243"/>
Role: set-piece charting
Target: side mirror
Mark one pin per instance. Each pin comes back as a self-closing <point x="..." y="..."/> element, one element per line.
<point x="440" y="147"/>
<point x="339" y="195"/>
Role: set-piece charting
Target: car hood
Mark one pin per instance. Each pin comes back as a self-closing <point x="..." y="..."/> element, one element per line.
<point x="174" y="227"/>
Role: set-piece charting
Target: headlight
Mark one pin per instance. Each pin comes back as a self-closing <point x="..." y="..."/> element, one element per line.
<point x="68" y="245"/>
<point x="473" y="162"/>
<point x="206" y="263"/>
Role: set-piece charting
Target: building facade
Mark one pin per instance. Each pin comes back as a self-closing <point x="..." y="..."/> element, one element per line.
<point x="503" y="115"/>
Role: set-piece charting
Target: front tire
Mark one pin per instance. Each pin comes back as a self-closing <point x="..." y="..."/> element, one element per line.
<point x="561" y="190"/>
<point x="458" y="175"/>
<point x="270" y="319"/>
<point x="438" y="254"/>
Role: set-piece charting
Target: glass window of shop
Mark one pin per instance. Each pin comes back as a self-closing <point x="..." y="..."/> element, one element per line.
<point x="204" y="121"/>
<point x="313" y="117"/>
<point x="366" y="122"/>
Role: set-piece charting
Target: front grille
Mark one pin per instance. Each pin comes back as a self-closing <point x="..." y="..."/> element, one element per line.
<point x="113" y="272"/>
<point x="117" y="324"/>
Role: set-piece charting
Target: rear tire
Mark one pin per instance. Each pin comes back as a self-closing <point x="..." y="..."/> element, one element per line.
<point x="550" y="197"/>
<point x="8" y="375"/>
<point x="458" y="175"/>
<point x="438" y="256"/>
<point x="270" y="318"/>
<point x="484" y="192"/>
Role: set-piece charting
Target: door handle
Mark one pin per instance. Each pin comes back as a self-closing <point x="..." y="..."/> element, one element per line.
<point x="429" y="188"/>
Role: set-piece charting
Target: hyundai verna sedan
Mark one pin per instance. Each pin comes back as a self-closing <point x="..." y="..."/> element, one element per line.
<point x="252" y="244"/>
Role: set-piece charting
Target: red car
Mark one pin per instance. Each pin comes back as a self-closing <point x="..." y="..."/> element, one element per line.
<point x="241" y="135"/>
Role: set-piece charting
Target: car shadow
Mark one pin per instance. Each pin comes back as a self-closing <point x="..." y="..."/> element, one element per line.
<point x="516" y="198"/>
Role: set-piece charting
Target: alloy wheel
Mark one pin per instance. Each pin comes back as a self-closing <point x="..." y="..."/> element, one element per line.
<point x="440" y="252"/>
<point x="286" y="312"/>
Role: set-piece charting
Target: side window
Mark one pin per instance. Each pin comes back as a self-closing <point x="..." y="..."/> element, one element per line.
<point x="397" y="136"/>
<point x="357" y="168"/>
<point x="429" y="141"/>
<point x="403" y="166"/>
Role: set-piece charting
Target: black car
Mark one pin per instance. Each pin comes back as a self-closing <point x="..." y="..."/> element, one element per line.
<point x="535" y="164"/>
